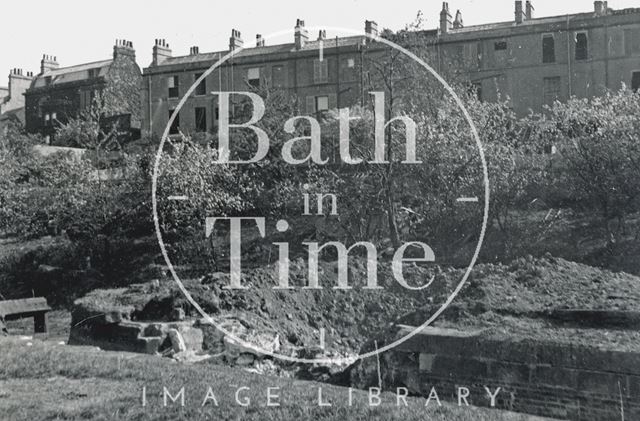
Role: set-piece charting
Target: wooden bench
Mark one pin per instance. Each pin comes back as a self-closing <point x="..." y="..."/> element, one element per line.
<point x="29" y="307"/>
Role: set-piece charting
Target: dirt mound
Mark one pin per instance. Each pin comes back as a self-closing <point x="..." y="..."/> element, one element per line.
<point x="296" y="315"/>
<point x="493" y="295"/>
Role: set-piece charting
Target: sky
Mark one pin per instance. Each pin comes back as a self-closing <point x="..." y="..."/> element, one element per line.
<point x="80" y="31"/>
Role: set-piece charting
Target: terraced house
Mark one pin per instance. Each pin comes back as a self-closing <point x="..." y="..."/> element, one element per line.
<point x="57" y="93"/>
<point x="531" y="61"/>
<point x="12" y="97"/>
<point x="535" y="61"/>
<point x="321" y="83"/>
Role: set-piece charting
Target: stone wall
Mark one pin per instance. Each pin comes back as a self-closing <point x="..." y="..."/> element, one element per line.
<point x="542" y="378"/>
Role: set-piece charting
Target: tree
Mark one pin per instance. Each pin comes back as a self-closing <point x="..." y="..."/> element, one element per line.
<point x="597" y="138"/>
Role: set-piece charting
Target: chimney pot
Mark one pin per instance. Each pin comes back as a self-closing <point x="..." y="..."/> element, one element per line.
<point x="301" y="36"/>
<point x="519" y="12"/>
<point x="458" y="23"/>
<point x="371" y="28"/>
<point x="235" y="41"/>
<point x="161" y="52"/>
<point x="529" y="10"/>
<point x="259" y="40"/>
<point x="445" y="18"/>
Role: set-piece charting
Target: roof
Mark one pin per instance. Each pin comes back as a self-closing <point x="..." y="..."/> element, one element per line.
<point x="72" y="74"/>
<point x="265" y="50"/>
<point x="561" y="19"/>
<point x="16" y="115"/>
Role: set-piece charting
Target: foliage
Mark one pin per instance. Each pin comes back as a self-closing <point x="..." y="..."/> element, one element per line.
<point x="597" y="141"/>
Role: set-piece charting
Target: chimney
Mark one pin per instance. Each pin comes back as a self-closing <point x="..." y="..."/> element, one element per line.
<point x="371" y="28"/>
<point x="259" y="40"/>
<point x="19" y="82"/>
<point x="48" y="63"/>
<point x="322" y="35"/>
<point x="458" y="23"/>
<point x="235" y="41"/>
<point x="445" y="19"/>
<point x="529" y="10"/>
<point x="599" y="8"/>
<point x="122" y="48"/>
<point x="301" y="35"/>
<point x="519" y="12"/>
<point x="161" y="52"/>
<point x="194" y="51"/>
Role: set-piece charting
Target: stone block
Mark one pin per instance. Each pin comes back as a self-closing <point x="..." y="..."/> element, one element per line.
<point x="425" y="362"/>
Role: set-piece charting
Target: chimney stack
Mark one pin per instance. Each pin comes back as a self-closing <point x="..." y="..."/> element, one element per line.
<point x="322" y="35"/>
<point x="529" y="10"/>
<point x="371" y="28"/>
<point x="161" y="52"/>
<point x="599" y="8"/>
<point x="123" y="47"/>
<point x="301" y="35"/>
<point x="235" y="41"/>
<point x="519" y="12"/>
<point x="458" y="23"/>
<point x="445" y="19"/>
<point x="19" y="82"/>
<point x="194" y="51"/>
<point x="259" y="40"/>
<point x="48" y="63"/>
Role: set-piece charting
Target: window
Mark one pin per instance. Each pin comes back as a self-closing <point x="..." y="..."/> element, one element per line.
<point x="277" y="76"/>
<point x="351" y="63"/>
<point x="582" y="46"/>
<point x="201" y="119"/>
<point x="47" y="118"/>
<point x="175" y="126"/>
<point x="632" y="41"/>
<point x="92" y="73"/>
<point x="173" y="86"/>
<point x="500" y="46"/>
<point x="480" y="54"/>
<point x="548" y="49"/>
<point x="551" y="89"/>
<point x="201" y="89"/>
<point x="253" y="77"/>
<point x="635" y="81"/>
<point x="320" y="71"/>
<point x="47" y="80"/>
<point x="322" y="103"/>
<point x="86" y="98"/>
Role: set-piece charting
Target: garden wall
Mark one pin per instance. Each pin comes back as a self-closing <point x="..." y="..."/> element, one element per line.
<point x="542" y="378"/>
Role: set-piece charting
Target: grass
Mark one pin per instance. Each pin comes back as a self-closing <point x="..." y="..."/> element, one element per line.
<point x="44" y="381"/>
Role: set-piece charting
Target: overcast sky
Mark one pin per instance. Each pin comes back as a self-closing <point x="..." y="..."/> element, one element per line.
<point x="80" y="31"/>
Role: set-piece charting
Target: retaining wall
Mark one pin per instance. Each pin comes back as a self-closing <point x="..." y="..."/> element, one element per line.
<point x="536" y="377"/>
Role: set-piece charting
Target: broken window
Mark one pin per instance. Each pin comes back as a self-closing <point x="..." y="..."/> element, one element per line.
<point x="635" y="81"/>
<point x="632" y="41"/>
<point x="322" y="103"/>
<point x="277" y="76"/>
<point x="201" y="89"/>
<point x="548" y="49"/>
<point x="320" y="71"/>
<point x="551" y="89"/>
<point x="253" y="77"/>
<point x="175" y="126"/>
<point x="582" y="46"/>
<point x="173" y="86"/>
<point x="201" y="119"/>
